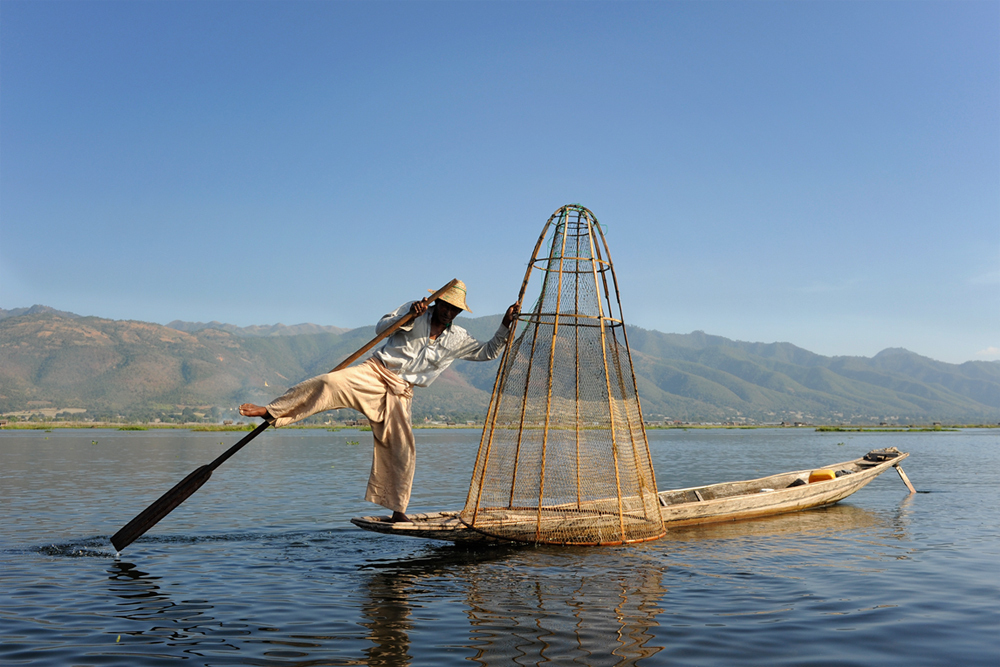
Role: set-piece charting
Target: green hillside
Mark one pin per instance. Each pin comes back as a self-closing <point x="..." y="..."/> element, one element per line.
<point x="55" y="361"/>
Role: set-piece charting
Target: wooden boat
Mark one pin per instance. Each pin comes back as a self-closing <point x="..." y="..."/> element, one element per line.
<point x="714" y="503"/>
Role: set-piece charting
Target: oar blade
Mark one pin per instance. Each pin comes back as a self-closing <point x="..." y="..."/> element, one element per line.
<point x="166" y="503"/>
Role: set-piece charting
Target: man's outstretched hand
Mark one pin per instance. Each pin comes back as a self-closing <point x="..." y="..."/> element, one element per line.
<point x="511" y="314"/>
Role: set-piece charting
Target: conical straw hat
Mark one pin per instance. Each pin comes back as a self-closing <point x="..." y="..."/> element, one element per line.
<point x="455" y="296"/>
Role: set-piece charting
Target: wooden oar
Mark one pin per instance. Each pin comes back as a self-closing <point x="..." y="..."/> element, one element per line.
<point x="183" y="490"/>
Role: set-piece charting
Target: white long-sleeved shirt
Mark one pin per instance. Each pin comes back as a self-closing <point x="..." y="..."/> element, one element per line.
<point x="411" y="354"/>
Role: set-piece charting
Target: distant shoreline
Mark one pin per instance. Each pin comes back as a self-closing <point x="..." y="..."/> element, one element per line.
<point x="220" y="428"/>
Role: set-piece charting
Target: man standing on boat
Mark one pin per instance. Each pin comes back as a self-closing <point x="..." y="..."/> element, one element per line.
<point x="381" y="388"/>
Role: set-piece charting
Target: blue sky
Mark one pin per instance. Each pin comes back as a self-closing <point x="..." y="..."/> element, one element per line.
<point x="826" y="174"/>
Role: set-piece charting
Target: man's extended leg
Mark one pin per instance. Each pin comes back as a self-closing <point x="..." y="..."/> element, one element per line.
<point x="355" y="387"/>
<point x="381" y="396"/>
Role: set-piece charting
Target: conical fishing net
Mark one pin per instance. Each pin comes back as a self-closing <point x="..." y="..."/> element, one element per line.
<point x="563" y="457"/>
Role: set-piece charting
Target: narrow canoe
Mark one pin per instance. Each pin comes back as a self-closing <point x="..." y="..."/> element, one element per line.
<point x="728" y="501"/>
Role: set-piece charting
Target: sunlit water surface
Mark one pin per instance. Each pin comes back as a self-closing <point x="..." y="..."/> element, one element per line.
<point x="262" y="567"/>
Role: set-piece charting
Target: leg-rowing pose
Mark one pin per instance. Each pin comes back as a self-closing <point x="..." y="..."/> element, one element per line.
<point x="381" y="387"/>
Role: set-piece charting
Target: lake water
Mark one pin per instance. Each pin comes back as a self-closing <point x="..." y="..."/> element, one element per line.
<point x="262" y="567"/>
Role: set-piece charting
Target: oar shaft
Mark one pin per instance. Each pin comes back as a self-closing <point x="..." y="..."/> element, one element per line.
<point x="238" y="446"/>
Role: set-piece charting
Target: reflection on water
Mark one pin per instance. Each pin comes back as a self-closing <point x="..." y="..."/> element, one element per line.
<point x="510" y="605"/>
<point x="261" y="567"/>
<point x="387" y="612"/>
<point x="834" y="520"/>
<point x="187" y="623"/>
<point x="531" y="610"/>
<point x="521" y="605"/>
<point x="585" y="618"/>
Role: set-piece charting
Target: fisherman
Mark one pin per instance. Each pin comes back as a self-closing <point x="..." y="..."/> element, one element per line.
<point x="381" y="388"/>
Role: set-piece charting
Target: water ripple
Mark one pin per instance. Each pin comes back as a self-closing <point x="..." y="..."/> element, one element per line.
<point x="255" y="570"/>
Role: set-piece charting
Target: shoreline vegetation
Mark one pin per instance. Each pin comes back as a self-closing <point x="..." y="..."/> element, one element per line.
<point x="244" y="427"/>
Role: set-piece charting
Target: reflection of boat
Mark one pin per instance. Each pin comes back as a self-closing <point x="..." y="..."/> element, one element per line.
<point x="830" y="520"/>
<point x="714" y="503"/>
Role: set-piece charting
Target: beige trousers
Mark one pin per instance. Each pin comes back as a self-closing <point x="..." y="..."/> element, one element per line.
<point x="381" y="396"/>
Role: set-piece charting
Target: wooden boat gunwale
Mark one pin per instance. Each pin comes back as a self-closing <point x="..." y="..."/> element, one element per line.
<point x="752" y="502"/>
<point x="709" y="503"/>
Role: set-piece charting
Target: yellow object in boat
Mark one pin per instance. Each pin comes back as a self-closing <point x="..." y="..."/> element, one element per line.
<point x="821" y="475"/>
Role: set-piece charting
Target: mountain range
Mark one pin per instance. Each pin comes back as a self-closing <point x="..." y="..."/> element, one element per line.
<point x="53" y="360"/>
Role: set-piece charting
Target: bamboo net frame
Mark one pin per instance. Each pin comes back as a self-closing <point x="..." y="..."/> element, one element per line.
<point x="564" y="458"/>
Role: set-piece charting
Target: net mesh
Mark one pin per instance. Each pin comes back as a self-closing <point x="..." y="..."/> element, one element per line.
<point x="563" y="457"/>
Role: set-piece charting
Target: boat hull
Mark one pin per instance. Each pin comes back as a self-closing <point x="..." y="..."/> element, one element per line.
<point x="733" y="501"/>
<point x="712" y="503"/>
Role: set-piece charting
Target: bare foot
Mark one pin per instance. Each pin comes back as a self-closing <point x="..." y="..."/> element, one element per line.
<point x="399" y="517"/>
<point x="252" y="410"/>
